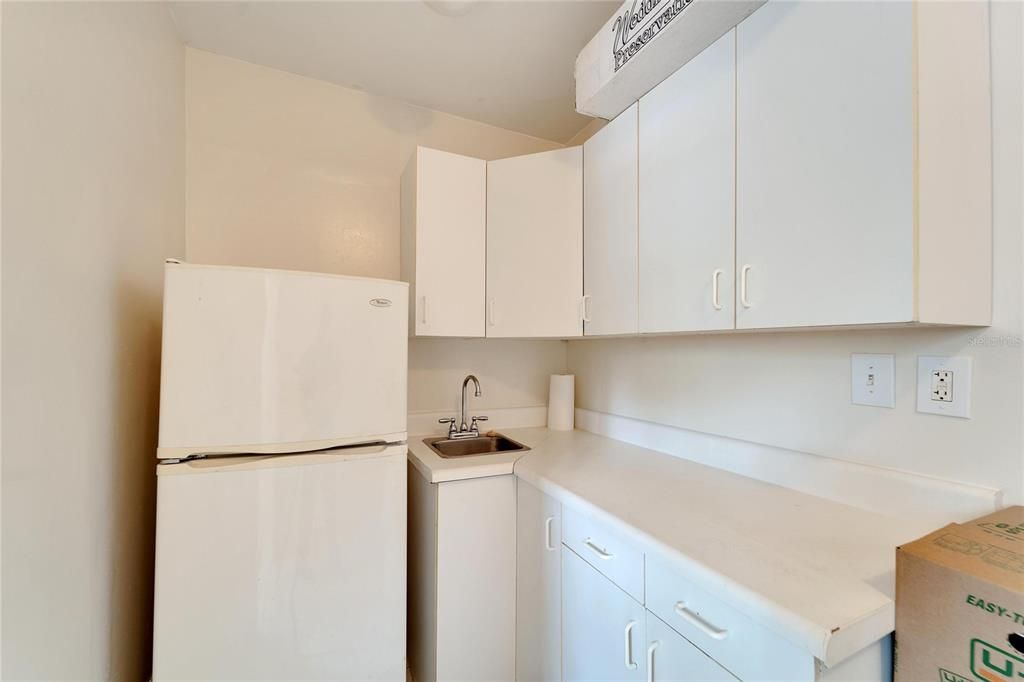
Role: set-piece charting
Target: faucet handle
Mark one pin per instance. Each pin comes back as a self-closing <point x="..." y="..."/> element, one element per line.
<point x="475" y="420"/>
<point x="450" y="421"/>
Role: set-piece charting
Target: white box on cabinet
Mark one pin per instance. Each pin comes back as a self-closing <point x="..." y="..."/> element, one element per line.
<point x="535" y="245"/>
<point x="444" y="214"/>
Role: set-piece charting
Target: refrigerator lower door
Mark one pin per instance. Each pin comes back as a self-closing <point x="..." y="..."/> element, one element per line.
<point x="282" y="567"/>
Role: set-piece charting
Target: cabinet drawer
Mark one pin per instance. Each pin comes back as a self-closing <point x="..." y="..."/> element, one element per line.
<point x="746" y="649"/>
<point x="606" y="549"/>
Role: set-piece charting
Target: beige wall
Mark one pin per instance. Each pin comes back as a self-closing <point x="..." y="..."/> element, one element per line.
<point x="93" y="183"/>
<point x="793" y="389"/>
<point x="290" y="172"/>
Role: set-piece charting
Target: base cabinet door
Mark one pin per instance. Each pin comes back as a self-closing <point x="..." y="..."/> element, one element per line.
<point x="602" y="626"/>
<point x="538" y="585"/>
<point x="671" y="657"/>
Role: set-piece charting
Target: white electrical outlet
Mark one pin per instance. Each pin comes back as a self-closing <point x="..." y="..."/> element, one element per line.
<point x="944" y="386"/>
<point x="872" y="380"/>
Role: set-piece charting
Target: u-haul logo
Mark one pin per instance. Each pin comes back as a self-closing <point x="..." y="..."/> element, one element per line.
<point x="992" y="664"/>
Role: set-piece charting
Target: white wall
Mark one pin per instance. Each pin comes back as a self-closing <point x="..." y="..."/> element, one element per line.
<point x="93" y="182"/>
<point x="792" y="390"/>
<point x="289" y="172"/>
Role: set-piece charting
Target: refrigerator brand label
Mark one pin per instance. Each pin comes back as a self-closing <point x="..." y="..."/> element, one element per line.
<point x="380" y="302"/>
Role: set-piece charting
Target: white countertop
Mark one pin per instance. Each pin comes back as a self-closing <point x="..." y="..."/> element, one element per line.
<point x="818" y="572"/>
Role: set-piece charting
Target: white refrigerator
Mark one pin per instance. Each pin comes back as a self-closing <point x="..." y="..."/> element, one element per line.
<point x="281" y="480"/>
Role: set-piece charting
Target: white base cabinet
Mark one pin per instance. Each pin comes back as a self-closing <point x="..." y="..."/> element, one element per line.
<point x="669" y="657"/>
<point x="462" y="578"/>
<point x="538" y="585"/>
<point x="603" y="627"/>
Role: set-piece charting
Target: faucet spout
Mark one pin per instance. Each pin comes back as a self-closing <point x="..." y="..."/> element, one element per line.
<point x="463" y="427"/>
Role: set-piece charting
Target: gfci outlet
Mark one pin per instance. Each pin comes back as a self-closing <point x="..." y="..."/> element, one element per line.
<point x="944" y="386"/>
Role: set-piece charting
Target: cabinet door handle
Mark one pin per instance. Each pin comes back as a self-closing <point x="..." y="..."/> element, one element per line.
<point x="628" y="646"/>
<point x="650" y="660"/>
<point x="547" y="534"/>
<point x="743" y="286"/>
<point x="423" y="310"/>
<point x="601" y="552"/>
<point x="715" y="303"/>
<point x="698" y="622"/>
<point x="490" y="312"/>
<point x="584" y="312"/>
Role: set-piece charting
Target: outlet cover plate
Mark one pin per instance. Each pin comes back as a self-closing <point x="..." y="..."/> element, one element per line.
<point x="956" y="387"/>
<point x="872" y="380"/>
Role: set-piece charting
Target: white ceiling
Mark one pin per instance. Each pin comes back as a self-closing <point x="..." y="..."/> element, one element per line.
<point x="507" y="63"/>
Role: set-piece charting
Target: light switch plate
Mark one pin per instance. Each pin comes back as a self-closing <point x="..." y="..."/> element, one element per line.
<point x="944" y="385"/>
<point x="872" y="380"/>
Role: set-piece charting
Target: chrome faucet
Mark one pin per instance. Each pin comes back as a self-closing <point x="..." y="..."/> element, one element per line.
<point x="464" y="430"/>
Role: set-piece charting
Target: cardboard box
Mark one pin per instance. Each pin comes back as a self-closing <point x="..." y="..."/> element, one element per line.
<point x="960" y="602"/>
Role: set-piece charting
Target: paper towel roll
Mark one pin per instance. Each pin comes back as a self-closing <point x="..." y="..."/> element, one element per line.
<point x="562" y="402"/>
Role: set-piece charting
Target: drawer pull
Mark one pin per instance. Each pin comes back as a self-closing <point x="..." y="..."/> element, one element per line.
<point x="599" y="551"/>
<point x="698" y="622"/>
<point x="547" y="534"/>
<point x="650" y="660"/>
<point x="630" y="663"/>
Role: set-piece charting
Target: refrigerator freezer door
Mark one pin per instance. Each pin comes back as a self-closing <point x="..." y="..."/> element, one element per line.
<point x="282" y="567"/>
<point x="277" y="361"/>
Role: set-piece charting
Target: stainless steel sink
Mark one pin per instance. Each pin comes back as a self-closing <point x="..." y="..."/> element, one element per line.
<point x="468" y="447"/>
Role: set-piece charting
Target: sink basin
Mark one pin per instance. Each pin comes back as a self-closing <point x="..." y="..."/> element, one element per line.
<point x="467" y="447"/>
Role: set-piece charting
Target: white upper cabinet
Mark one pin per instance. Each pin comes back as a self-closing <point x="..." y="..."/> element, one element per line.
<point x="863" y="164"/>
<point x="610" y="228"/>
<point x="687" y="181"/>
<point x="444" y="231"/>
<point x="535" y="245"/>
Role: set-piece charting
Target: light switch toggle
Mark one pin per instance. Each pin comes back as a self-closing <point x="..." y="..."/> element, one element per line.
<point x="872" y="380"/>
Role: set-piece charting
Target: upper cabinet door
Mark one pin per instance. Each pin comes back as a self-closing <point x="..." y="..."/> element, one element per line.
<point x="535" y="245"/>
<point x="444" y="231"/>
<point x="825" y="164"/>
<point x="609" y="228"/>
<point x="687" y="195"/>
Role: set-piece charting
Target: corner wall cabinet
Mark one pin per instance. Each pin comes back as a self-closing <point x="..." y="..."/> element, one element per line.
<point x="444" y="228"/>
<point x="535" y="245"/>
